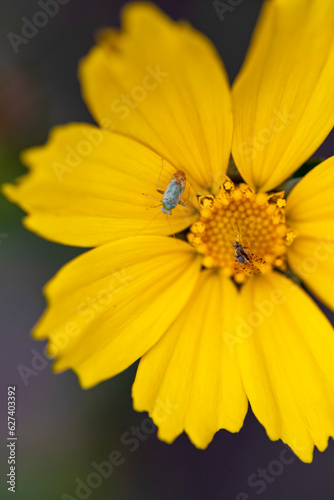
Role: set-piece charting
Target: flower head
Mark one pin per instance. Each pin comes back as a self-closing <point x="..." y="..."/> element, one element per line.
<point x="217" y="320"/>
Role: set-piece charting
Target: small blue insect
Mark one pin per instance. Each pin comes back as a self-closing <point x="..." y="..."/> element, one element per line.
<point x="172" y="194"/>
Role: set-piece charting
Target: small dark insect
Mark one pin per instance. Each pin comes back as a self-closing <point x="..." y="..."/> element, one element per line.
<point x="246" y="258"/>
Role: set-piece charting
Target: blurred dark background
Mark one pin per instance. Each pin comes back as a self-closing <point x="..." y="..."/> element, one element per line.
<point x="62" y="429"/>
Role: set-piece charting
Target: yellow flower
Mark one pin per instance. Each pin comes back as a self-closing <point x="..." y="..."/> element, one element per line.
<point x="216" y="320"/>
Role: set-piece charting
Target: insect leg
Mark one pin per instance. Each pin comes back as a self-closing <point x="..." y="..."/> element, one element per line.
<point x="157" y="188"/>
<point x="170" y="227"/>
<point x="155" y="206"/>
<point x="156" y="199"/>
<point x="185" y="204"/>
<point x="144" y="227"/>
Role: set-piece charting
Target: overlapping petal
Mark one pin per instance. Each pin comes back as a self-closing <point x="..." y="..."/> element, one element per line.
<point x="283" y="98"/>
<point x="310" y="212"/>
<point x="312" y="259"/>
<point x="286" y="350"/>
<point x="86" y="188"/>
<point x="110" y="305"/>
<point x="190" y="379"/>
<point x="310" y="205"/>
<point x="163" y="83"/>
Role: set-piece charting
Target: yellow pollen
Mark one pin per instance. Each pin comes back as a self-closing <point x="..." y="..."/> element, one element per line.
<point x="290" y="236"/>
<point x="206" y="201"/>
<point x="281" y="203"/>
<point x="228" y="186"/>
<point x="241" y="231"/>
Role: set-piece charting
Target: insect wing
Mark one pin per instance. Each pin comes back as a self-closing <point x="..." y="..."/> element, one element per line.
<point x="259" y="260"/>
<point x="173" y="193"/>
<point x="255" y="258"/>
<point x="248" y="267"/>
<point x="252" y="257"/>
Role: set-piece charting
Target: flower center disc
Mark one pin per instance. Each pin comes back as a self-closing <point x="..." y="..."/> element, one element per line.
<point x="241" y="231"/>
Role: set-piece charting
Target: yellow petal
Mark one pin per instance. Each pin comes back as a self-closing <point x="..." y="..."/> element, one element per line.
<point x="310" y="205"/>
<point x="86" y="188"/>
<point x="283" y="99"/>
<point x="312" y="259"/>
<point x="190" y="380"/>
<point x="286" y="354"/>
<point x="163" y="83"/>
<point x="111" y="304"/>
